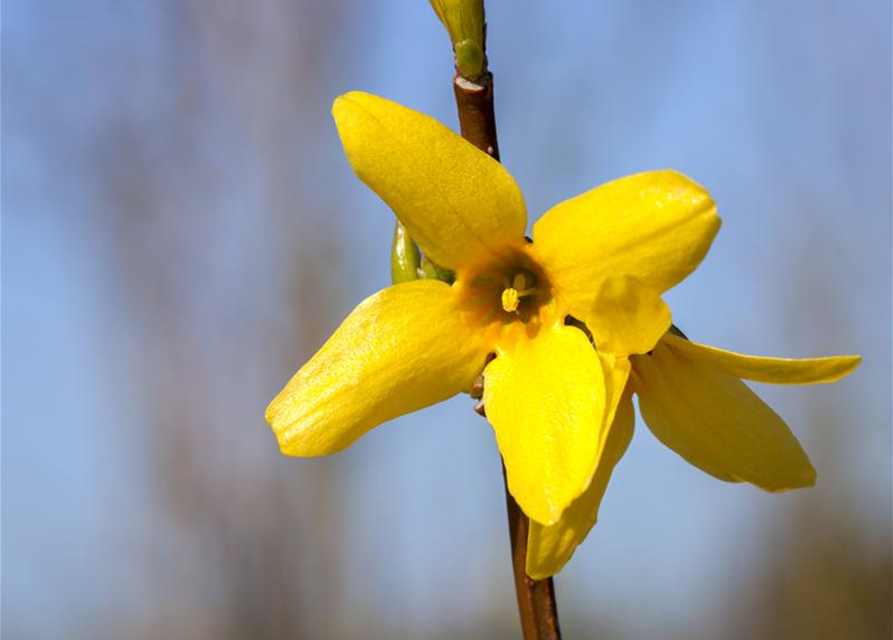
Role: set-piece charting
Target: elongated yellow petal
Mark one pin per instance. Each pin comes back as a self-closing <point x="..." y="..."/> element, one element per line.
<point x="550" y="547"/>
<point x="771" y="370"/>
<point x="400" y="350"/>
<point x="716" y="423"/>
<point x="651" y="229"/>
<point x="545" y="398"/>
<point x="457" y="202"/>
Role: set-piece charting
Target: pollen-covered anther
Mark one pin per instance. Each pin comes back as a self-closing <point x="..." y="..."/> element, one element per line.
<point x="510" y="300"/>
<point x="511" y="296"/>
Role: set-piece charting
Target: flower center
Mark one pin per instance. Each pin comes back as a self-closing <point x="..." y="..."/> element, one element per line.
<point x="507" y="291"/>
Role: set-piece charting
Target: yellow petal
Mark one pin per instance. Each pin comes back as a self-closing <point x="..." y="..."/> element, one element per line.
<point x="457" y="202"/>
<point x="550" y="547"/>
<point x="630" y="317"/>
<point x="545" y="398"/>
<point x="771" y="370"/>
<point x="400" y="350"/>
<point x="617" y="372"/>
<point x="653" y="228"/>
<point x="716" y="423"/>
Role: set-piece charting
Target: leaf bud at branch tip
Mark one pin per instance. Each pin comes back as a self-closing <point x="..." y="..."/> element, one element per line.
<point x="464" y="21"/>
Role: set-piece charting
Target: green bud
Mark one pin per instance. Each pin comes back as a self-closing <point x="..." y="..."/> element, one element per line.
<point x="469" y="59"/>
<point x="404" y="256"/>
<point x="464" y="20"/>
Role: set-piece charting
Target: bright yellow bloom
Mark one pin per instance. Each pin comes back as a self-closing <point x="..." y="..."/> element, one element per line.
<point x="574" y="319"/>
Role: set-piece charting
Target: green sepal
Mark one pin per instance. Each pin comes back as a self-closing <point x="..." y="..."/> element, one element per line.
<point x="676" y="331"/>
<point x="433" y="271"/>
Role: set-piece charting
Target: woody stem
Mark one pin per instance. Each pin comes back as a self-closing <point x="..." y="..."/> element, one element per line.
<point x="536" y="598"/>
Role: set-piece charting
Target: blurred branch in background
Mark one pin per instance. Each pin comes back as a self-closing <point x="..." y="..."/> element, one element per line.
<point x="827" y="571"/>
<point x="208" y="203"/>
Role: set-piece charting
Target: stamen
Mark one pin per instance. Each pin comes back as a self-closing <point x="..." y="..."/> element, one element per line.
<point x="511" y="296"/>
<point x="519" y="282"/>
<point x="510" y="299"/>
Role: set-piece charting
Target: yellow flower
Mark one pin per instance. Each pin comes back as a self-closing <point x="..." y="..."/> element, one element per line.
<point x="592" y="277"/>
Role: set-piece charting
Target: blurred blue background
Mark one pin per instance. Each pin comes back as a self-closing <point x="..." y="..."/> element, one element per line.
<point x="181" y="231"/>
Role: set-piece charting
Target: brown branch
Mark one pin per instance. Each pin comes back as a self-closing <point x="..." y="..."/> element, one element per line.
<point x="536" y="598"/>
<point x="477" y="120"/>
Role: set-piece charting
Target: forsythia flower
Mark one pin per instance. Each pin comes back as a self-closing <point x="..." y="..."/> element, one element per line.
<point x="574" y="319"/>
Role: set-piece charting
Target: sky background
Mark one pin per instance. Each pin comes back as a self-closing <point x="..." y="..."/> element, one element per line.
<point x="181" y="231"/>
